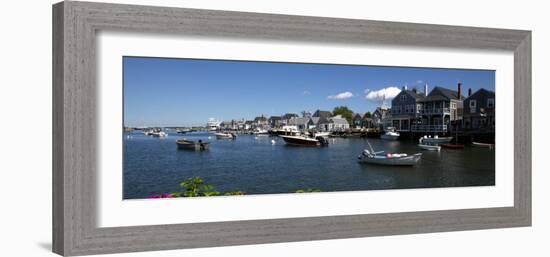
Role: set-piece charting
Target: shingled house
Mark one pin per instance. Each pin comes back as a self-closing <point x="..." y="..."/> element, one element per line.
<point x="439" y="109"/>
<point x="405" y="109"/>
<point x="479" y="111"/>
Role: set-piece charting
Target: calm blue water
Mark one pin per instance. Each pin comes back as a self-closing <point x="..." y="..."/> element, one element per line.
<point x="253" y="165"/>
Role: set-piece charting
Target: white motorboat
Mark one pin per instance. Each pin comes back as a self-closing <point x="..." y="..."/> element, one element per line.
<point x="395" y="159"/>
<point x="259" y="132"/>
<point x="436" y="140"/>
<point x="221" y="135"/>
<point x="305" y="140"/>
<point x="159" y="134"/>
<point x="390" y="135"/>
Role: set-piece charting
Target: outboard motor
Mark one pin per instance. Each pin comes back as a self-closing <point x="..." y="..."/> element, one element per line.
<point x="322" y="140"/>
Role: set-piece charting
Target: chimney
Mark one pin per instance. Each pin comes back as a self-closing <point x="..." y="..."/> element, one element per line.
<point x="405" y="87"/>
<point x="469" y="92"/>
<point x="426" y="89"/>
<point x="459" y="90"/>
<point x="414" y="90"/>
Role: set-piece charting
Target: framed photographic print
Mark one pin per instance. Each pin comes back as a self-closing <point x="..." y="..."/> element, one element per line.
<point x="183" y="128"/>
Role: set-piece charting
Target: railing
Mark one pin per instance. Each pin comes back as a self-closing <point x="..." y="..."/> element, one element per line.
<point x="429" y="128"/>
<point x="435" y="111"/>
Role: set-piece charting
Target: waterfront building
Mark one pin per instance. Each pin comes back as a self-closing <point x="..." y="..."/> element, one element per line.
<point x="479" y="111"/>
<point x="249" y="124"/>
<point x="439" y="109"/>
<point x="300" y="123"/>
<point x="287" y="116"/>
<point x="367" y="121"/>
<point x="357" y="120"/>
<point x="314" y="123"/>
<point x="381" y="117"/>
<point x="260" y="122"/>
<point x="406" y="107"/>
<point x="275" y="121"/>
<point x="336" y="123"/>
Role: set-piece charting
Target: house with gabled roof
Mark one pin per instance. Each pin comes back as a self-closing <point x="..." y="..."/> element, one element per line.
<point x="405" y="109"/>
<point x="479" y="111"/>
<point x="439" y="109"/>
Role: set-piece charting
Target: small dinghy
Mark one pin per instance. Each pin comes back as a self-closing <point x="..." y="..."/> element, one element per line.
<point x="484" y="145"/>
<point x="395" y="159"/>
<point x="428" y="146"/>
<point x="192" y="145"/>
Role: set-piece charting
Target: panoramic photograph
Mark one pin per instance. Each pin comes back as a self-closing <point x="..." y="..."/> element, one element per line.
<point x="200" y="127"/>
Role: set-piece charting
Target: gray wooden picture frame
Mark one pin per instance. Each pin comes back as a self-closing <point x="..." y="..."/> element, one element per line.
<point x="75" y="25"/>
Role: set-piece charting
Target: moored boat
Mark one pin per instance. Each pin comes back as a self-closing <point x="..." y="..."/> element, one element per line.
<point x="436" y="140"/>
<point x="305" y="140"/>
<point x="395" y="159"/>
<point x="192" y="145"/>
<point x="221" y="135"/>
<point x="427" y="145"/>
<point x="430" y="147"/>
<point x="485" y="145"/>
<point x="390" y="135"/>
<point x="158" y="134"/>
<point x="260" y="132"/>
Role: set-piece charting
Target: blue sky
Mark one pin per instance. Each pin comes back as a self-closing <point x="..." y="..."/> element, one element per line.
<point x="185" y="92"/>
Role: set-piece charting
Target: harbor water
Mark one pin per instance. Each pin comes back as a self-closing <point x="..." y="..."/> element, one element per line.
<point x="256" y="165"/>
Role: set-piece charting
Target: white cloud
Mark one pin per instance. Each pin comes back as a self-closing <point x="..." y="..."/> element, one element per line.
<point x="384" y="94"/>
<point x="341" y="96"/>
<point x="306" y="93"/>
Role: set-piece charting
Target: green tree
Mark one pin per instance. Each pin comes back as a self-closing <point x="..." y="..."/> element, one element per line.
<point x="367" y="115"/>
<point x="345" y="112"/>
<point x="195" y="186"/>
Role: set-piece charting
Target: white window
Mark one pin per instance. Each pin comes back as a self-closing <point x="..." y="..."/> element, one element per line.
<point x="453" y="105"/>
<point x="403" y="97"/>
<point x="490" y="102"/>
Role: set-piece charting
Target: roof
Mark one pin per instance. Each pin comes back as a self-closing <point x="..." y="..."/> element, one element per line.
<point x="416" y="95"/>
<point x="441" y="93"/>
<point x="320" y="113"/>
<point x="482" y="91"/>
<point x="357" y="116"/>
<point x="315" y="120"/>
<point x="275" y="118"/>
<point x="298" y="121"/>
<point x="261" y="118"/>
<point x="289" y="115"/>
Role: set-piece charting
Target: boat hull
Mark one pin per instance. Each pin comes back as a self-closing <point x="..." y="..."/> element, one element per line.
<point x="399" y="161"/>
<point x="483" y="145"/>
<point x="389" y="137"/>
<point x="437" y="141"/>
<point x="193" y="146"/>
<point x="301" y="141"/>
<point x="430" y="147"/>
